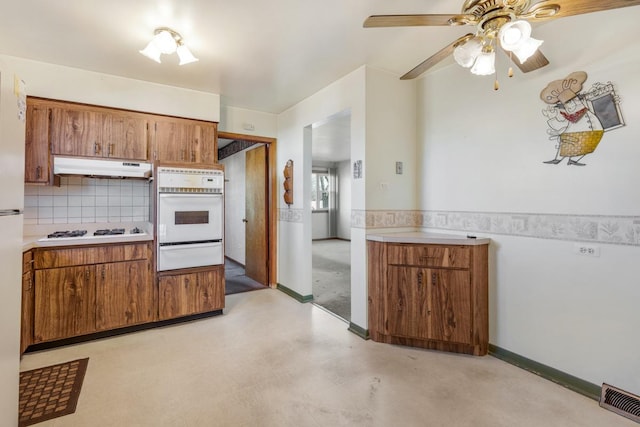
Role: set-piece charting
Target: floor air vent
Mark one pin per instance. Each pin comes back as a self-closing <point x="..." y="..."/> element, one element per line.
<point x="620" y="402"/>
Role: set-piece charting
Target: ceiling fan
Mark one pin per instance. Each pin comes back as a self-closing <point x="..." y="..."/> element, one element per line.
<point x="503" y="23"/>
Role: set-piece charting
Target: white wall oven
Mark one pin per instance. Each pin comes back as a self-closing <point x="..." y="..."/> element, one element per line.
<point x="190" y="218"/>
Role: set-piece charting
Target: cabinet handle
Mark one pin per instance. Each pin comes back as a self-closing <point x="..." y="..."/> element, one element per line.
<point x="38" y="172"/>
<point x="29" y="284"/>
<point x="193" y="156"/>
<point x="183" y="154"/>
<point x="86" y="274"/>
<point x="420" y="279"/>
<point x="102" y="273"/>
<point x="96" y="148"/>
<point x="110" y="150"/>
<point x="434" y="278"/>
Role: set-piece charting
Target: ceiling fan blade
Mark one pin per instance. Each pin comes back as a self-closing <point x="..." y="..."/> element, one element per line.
<point x="434" y="59"/>
<point x="413" y="20"/>
<point x="535" y="61"/>
<point x="540" y="10"/>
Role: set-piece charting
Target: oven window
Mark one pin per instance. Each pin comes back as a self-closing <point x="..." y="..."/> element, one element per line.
<point x="192" y="217"/>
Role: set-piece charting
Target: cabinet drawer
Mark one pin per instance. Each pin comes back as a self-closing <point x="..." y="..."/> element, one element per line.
<point x="429" y="255"/>
<point x="27" y="261"/>
<point x="83" y="255"/>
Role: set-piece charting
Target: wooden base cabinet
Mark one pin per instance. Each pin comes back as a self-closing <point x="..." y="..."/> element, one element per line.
<point x="183" y="294"/>
<point x="26" y="325"/>
<point x="430" y="296"/>
<point x="84" y="289"/>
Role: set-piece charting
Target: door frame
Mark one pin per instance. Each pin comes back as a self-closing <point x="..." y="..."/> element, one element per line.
<point x="272" y="208"/>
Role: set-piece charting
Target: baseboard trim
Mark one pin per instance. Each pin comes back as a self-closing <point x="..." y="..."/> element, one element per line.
<point x="359" y="331"/>
<point x="294" y="294"/>
<point x="576" y="384"/>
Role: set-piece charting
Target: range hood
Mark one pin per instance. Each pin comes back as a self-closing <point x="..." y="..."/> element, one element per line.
<point x="101" y="168"/>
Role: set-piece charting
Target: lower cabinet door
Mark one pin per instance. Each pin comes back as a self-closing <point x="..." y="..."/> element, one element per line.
<point x="430" y="304"/>
<point x="124" y="295"/>
<point x="450" y="304"/>
<point x="191" y="293"/>
<point x="64" y="304"/>
<point x="408" y="299"/>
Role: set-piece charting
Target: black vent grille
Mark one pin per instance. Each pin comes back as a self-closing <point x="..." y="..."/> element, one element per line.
<point x="620" y="402"/>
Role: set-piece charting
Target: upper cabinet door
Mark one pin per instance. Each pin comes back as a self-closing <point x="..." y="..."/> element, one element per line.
<point x="76" y="132"/>
<point x="36" y="164"/>
<point x="185" y="141"/>
<point x="128" y="139"/>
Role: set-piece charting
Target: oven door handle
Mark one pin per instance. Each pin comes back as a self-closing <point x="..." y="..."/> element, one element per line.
<point x="182" y="245"/>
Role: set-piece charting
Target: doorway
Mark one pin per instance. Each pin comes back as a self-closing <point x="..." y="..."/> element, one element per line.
<point x="249" y="266"/>
<point x="331" y="214"/>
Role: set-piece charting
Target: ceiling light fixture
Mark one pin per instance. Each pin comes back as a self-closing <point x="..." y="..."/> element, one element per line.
<point x="514" y="36"/>
<point x="167" y="41"/>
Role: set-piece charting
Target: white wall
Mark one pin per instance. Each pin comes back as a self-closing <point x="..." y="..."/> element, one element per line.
<point x="320" y="225"/>
<point x="294" y="142"/>
<point x="344" y="199"/>
<point x="248" y="122"/>
<point x="483" y="151"/>
<point x="234" y="206"/>
<point x="382" y="132"/>
<point x="72" y="84"/>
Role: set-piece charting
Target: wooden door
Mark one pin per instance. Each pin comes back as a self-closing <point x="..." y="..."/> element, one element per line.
<point x="64" y="304"/>
<point x="128" y="137"/>
<point x="76" y="132"/>
<point x="124" y="295"/>
<point x="256" y="215"/>
<point x="451" y="312"/>
<point x="192" y="293"/>
<point x="36" y="153"/>
<point x="408" y="302"/>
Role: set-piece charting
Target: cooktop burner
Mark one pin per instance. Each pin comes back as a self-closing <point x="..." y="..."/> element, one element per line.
<point x="74" y="233"/>
<point x="107" y="232"/>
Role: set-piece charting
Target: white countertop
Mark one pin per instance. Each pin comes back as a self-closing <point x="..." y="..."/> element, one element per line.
<point x="422" y="237"/>
<point x="35" y="235"/>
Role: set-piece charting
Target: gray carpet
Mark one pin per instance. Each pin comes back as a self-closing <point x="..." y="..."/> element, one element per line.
<point x="331" y="264"/>
<point x="235" y="279"/>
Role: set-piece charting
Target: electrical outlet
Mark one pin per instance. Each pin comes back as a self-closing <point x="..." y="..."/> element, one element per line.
<point x="586" y="249"/>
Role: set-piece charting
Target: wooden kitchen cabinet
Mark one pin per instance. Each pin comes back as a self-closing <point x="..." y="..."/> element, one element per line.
<point x="123" y="294"/>
<point x="183" y="294"/>
<point x="26" y="325"/>
<point x="85" y="289"/>
<point x="79" y="130"/>
<point x="65" y="302"/>
<point x="37" y="167"/>
<point x="429" y="295"/>
<point x="186" y="141"/>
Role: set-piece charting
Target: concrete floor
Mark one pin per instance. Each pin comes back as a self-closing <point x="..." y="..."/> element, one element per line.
<point x="271" y="361"/>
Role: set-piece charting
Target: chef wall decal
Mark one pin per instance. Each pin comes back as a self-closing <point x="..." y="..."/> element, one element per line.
<point x="578" y="119"/>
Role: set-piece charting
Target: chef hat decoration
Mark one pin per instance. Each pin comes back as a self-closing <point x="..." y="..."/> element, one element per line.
<point x="561" y="91"/>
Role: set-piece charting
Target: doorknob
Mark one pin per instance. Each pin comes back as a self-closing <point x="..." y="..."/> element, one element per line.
<point x="244" y="220"/>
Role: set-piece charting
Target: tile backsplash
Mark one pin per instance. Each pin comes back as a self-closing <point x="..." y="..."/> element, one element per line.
<point x="85" y="200"/>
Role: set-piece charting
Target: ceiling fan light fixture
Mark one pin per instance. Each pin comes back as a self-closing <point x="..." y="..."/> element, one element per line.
<point x="465" y="54"/>
<point x="514" y="34"/>
<point x="527" y="49"/>
<point x="485" y="63"/>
